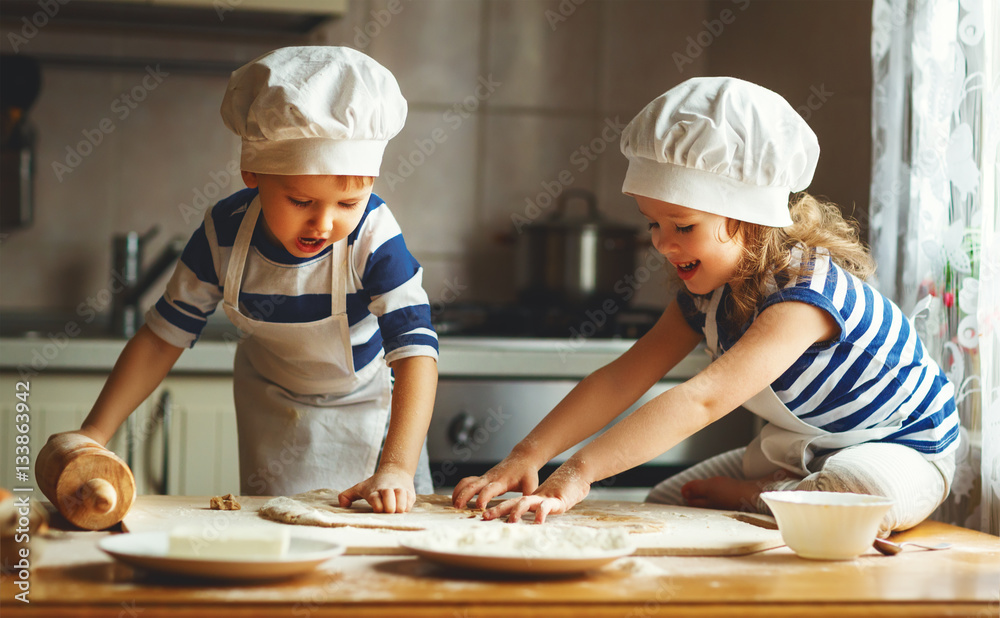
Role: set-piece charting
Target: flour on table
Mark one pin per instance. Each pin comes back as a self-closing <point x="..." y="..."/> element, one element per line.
<point x="525" y="541"/>
<point x="320" y="507"/>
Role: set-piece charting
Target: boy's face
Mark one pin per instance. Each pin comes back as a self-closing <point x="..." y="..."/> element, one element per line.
<point x="306" y="214"/>
<point x="697" y="243"/>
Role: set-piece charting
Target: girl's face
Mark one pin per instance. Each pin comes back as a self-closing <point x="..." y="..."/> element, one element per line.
<point x="306" y="214"/>
<point x="695" y="242"/>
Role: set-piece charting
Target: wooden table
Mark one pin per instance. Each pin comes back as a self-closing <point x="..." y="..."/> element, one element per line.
<point x="71" y="577"/>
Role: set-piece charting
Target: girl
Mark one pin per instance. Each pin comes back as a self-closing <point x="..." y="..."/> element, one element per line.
<point x="852" y="401"/>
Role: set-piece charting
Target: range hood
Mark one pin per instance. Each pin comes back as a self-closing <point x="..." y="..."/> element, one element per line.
<point x="211" y="17"/>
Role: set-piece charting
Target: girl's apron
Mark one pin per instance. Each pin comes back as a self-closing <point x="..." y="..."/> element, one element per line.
<point x="305" y="419"/>
<point x="786" y="441"/>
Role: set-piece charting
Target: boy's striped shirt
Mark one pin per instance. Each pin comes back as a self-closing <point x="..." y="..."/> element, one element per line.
<point x="387" y="308"/>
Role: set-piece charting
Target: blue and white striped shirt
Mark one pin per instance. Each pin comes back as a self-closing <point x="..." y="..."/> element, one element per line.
<point x="876" y="373"/>
<point x="387" y="308"/>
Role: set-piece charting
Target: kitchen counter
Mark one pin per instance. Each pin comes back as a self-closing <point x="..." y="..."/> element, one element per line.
<point x="72" y="577"/>
<point x="460" y="357"/>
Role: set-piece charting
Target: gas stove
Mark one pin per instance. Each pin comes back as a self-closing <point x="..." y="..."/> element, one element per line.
<point x="548" y="322"/>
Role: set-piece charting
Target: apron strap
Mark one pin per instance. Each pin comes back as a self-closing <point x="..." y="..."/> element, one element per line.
<point x="339" y="271"/>
<point x="339" y="266"/>
<point x="238" y="257"/>
<point x="712" y="324"/>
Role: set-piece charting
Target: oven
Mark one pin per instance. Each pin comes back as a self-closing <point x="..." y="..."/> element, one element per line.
<point x="498" y="380"/>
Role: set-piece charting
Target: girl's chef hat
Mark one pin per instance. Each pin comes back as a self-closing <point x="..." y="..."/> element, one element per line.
<point x="721" y="145"/>
<point x="313" y="110"/>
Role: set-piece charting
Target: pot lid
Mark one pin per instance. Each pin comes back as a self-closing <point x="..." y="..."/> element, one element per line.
<point x="565" y="217"/>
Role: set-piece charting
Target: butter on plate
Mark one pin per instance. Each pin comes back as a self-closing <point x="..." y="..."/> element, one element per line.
<point x="233" y="542"/>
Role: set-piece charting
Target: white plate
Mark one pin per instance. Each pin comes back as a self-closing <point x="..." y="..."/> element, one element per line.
<point x="520" y="565"/>
<point x="149" y="550"/>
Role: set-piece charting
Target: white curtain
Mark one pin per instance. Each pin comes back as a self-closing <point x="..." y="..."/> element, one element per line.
<point x="933" y="217"/>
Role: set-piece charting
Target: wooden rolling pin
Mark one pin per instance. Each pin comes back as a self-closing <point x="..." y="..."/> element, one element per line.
<point x="91" y="486"/>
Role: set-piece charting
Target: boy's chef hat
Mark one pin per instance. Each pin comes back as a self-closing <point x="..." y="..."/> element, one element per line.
<point x="721" y="145"/>
<point x="313" y="110"/>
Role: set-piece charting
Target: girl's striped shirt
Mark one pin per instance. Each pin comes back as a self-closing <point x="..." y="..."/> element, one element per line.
<point x="876" y="373"/>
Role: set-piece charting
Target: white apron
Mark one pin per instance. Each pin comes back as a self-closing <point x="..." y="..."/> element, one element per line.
<point x="305" y="419"/>
<point x="786" y="441"/>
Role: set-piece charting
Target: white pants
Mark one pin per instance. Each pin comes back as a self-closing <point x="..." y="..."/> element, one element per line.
<point x="915" y="485"/>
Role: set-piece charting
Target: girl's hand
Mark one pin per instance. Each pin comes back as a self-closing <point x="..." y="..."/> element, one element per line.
<point x="558" y="494"/>
<point x="388" y="491"/>
<point x="514" y="473"/>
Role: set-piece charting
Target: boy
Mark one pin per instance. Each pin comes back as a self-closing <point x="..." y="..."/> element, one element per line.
<point x="311" y="267"/>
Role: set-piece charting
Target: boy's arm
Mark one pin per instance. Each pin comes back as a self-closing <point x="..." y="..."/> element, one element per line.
<point x="390" y="489"/>
<point x="140" y="368"/>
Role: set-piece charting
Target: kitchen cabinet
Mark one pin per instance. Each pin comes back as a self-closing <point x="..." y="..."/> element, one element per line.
<point x="324" y="7"/>
<point x="202" y="456"/>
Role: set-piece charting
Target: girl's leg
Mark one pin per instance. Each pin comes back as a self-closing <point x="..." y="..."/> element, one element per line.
<point x="728" y="464"/>
<point x="894" y="471"/>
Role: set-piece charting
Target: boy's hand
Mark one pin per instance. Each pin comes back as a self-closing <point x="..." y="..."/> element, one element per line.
<point x="388" y="491"/>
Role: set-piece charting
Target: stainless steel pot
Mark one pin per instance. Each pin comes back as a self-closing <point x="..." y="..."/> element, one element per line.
<point x="571" y="260"/>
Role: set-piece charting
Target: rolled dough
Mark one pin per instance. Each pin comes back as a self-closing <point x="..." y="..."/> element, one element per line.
<point x="320" y="507"/>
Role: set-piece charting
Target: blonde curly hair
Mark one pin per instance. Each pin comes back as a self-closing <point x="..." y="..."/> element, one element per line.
<point x="767" y="251"/>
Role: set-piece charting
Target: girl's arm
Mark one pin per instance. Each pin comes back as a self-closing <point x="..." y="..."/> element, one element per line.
<point x="390" y="489"/>
<point x="140" y="368"/>
<point x="776" y="339"/>
<point x="591" y="405"/>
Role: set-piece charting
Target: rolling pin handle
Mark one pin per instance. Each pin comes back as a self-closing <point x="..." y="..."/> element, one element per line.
<point x="99" y="495"/>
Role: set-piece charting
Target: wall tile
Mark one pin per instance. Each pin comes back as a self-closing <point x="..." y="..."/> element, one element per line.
<point x="646" y="50"/>
<point x="67" y="246"/>
<point x="529" y="159"/>
<point x="432" y="47"/>
<point x="546" y="64"/>
<point x="174" y="146"/>
<point x="428" y="180"/>
<point x="562" y="77"/>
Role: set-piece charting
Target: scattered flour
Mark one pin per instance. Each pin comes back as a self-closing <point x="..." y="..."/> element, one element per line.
<point x="525" y="541"/>
<point x="639" y="567"/>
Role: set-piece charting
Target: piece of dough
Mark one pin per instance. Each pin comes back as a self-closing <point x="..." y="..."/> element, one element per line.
<point x="319" y="507"/>
<point x="227" y="502"/>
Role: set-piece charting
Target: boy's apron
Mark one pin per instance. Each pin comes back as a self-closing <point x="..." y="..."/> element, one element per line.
<point x="786" y="441"/>
<point x="305" y="419"/>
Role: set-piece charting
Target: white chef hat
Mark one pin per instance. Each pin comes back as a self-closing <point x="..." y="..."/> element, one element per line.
<point x="313" y="110"/>
<point x="721" y="145"/>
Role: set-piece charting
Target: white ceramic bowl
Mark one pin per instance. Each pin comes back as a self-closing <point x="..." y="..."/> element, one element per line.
<point x="825" y="525"/>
